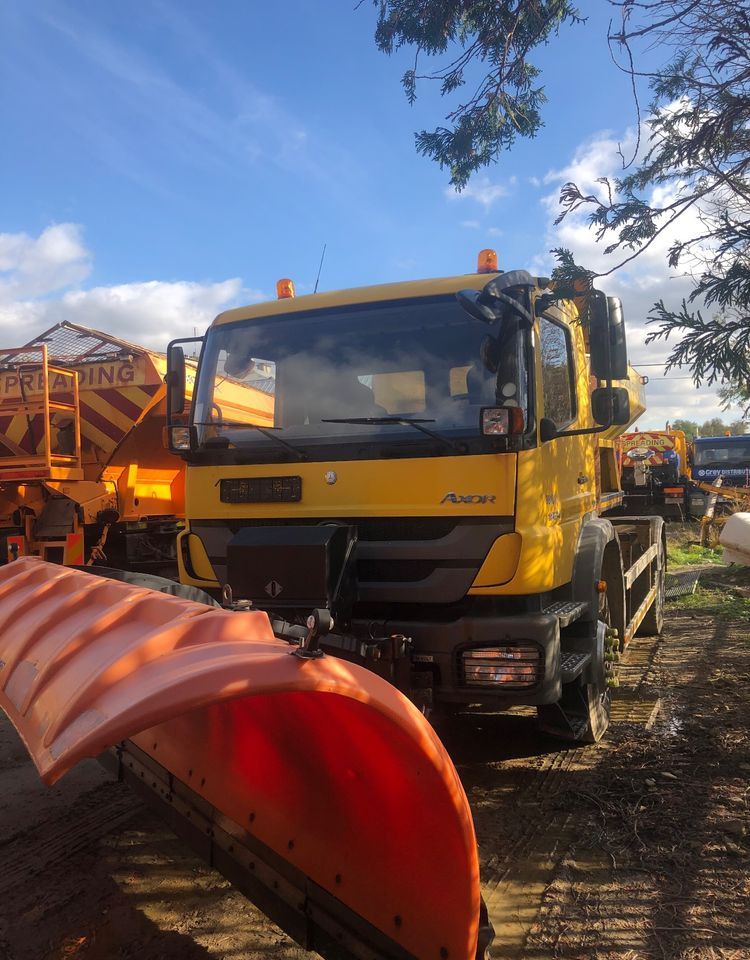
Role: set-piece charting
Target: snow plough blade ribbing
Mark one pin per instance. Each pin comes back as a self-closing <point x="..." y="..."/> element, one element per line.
<point x="320" y="763"/>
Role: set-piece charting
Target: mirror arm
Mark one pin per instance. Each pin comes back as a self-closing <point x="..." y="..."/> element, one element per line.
<point x="584" y="430"/>
<point x="514" y="305"/>
<point x="598" y="429"/>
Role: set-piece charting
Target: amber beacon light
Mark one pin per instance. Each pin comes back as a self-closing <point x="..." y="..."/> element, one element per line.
<point x="487" y="261"/>
<point x="285" y="289"/>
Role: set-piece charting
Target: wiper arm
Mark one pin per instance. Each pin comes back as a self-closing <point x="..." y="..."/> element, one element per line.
<point x="266" y="431"/>
<point x="407" y="422"/>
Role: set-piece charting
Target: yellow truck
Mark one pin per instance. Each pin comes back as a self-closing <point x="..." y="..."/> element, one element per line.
<point x="434" y="488"/>
<point x="398" y="496"/>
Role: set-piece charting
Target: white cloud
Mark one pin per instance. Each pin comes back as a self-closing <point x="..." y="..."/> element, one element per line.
<point x="37" y="266"/>
<point x="596" y="157"/>
<point x="483" y="191"/>
<point x="153" y="312"/>
<point x="470" y="224"/>
<point x="150" y="313"/>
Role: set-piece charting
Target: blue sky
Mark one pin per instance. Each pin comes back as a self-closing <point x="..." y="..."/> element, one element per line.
<point x="164" y="160"/>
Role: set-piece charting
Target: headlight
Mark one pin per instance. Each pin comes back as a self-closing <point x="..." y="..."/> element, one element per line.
<point x="501" y="421"/>
<point x="178" y="438"/>
<point x="513" y="666"/>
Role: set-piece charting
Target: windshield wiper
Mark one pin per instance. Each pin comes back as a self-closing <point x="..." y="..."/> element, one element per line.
<point x="407" y="422"/>
<point x="266" y="431"/>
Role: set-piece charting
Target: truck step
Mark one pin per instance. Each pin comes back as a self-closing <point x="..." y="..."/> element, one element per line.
<point x="566" y="611"/>
<point x="572" y="664"/>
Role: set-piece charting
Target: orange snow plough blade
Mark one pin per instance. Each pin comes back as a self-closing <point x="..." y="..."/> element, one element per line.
<point x="313" y="784"/>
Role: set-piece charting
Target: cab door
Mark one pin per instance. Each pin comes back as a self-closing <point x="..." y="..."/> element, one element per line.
<point x="568" y="462"/>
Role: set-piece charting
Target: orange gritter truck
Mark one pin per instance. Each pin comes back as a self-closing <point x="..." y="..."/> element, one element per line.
<point x="654" y="472"/>
<point x="84" y="475"/>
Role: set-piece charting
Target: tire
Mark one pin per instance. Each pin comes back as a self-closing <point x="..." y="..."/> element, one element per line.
<point x="582" y="713"/>
<point x="599" y="707"/>
<point x="653" y="623"/>
<point x="486" y="933"/>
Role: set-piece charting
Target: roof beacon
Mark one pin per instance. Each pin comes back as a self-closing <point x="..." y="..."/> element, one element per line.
<point x="285" y="289"/>
<point x="487" y="261"/>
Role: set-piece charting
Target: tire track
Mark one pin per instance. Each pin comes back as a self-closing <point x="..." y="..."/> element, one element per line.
<point x="34" y="851"/>
<point x="515" y="879"/>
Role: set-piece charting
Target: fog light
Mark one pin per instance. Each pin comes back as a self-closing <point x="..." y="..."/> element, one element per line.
<point x="514" y="666"/>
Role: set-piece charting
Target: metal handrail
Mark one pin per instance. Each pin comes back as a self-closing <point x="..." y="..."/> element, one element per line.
<point x="31" y="407"/>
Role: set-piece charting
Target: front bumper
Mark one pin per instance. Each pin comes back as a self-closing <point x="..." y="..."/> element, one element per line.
<point x="437" y="651"/>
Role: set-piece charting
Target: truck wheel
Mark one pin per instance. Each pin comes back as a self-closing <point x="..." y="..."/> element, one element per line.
<point x="653" y="623"/>
<point x="599" y="706"/>
<point x="582" y="713"/>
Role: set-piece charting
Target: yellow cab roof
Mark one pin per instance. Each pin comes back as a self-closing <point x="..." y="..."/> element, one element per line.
<point x="341" y="298"/>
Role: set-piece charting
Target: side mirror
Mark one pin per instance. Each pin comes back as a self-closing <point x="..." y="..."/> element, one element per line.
<point x="547" y="430"/>
<point x="610" y="405"/>
<point x="607" y="341"/>
<point x="175" y="380"/>
<point x="598" y="334"/>
<point x="618" y="345"/>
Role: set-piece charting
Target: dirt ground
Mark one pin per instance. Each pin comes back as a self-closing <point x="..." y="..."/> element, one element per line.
<point x="634" y="849"/>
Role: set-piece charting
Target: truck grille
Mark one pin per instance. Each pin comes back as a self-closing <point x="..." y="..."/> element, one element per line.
<point x="399" y="559"/>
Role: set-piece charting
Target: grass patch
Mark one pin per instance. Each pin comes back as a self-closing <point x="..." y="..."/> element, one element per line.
<point x="722" y="592"/>
<point x="685" y="555"/>
<point x="716" y="603"/>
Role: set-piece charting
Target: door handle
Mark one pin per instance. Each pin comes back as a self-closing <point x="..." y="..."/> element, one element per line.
<point x="582" y="478"/>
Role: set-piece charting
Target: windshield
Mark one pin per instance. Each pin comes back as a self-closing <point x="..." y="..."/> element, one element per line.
<point x="716" y="452"/>
<point x="285" y="377"/>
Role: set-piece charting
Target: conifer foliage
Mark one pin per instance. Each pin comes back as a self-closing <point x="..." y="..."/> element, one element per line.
<point x="689" y="175"/>
<point x="493" y="41"/>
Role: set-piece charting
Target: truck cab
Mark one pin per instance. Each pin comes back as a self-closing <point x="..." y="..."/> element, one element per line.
<point x="427" y="497"/>
<point x="723" y="460"/>
<point x="726" y="457"/>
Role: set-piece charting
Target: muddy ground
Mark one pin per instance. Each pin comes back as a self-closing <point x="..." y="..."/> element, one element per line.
<point x="634" y="849"/>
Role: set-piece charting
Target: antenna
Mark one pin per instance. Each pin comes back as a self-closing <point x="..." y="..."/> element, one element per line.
<point x="320" y="267"/>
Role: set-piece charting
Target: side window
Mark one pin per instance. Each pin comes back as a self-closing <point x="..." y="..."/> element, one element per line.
<point x="558" y="374"/>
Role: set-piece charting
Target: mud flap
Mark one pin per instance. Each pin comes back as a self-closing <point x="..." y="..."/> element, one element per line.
<point x="320" y="762"/>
